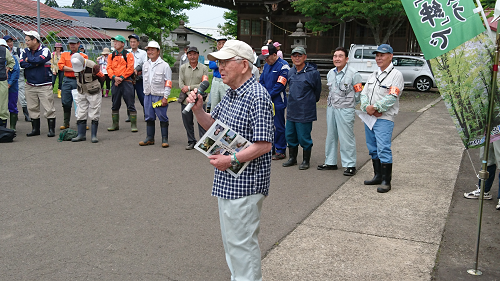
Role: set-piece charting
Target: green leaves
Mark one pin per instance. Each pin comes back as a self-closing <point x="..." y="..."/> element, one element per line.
<point x="230" y="27"/>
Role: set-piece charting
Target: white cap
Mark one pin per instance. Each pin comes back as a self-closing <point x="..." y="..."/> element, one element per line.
<point x="153" y="44"/>
<point x="3" y="43"/>
<point x="77" y="62"/>
<point x="33" y="33"/>
<point x="231" y="49"/>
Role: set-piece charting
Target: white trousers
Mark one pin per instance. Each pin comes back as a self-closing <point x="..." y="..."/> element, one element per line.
<point x="340" y="128"/>
<point x="240" y="226"/>
<point x="88" y="106"/>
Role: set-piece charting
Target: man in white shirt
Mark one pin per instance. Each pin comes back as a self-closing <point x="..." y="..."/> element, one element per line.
<point x="140" y="57"/>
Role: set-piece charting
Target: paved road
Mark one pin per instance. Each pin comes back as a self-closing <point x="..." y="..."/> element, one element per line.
<point x="117" y="211"/>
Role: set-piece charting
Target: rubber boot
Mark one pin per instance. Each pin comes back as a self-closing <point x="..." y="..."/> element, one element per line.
<point x="133" y="122"/>
<point x="116" y="119"/>
<point x="35" y="127"/>
<point x="128" y="116"/>
<point x="305" y="163"/>
<point x="58" y="93"/>
<point x="377" y="178"/>
<point x="150" y="134"/>
<point x="3" y="123"/>
<point x="93" y="131"/>
<point x="82" y="131"/>
<point x="26" y="114"/>
<point x="52" y="127"/>
<point x="107" y="93"/>
<point x="164" y="134"/>
<point x="293" y="151"/>
<point x="386" y="170"/>
<point x="13" y="121"/>
<point x="67" y="117"/>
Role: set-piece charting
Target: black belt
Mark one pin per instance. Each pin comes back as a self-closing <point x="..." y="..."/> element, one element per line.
<point x="74" y="78"/>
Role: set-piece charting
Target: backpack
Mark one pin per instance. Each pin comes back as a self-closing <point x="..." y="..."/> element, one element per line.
<point x="125" y="52"/>
<point x="67" y="135"/>
<point x="7" y="135"/>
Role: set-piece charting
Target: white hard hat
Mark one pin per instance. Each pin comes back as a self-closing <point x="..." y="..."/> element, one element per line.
<point x="3" y="43"/>
<point x="77" y="62"/>
<point x="153" y="44"/>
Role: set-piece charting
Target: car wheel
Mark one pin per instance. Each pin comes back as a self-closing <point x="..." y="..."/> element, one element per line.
<point x="423" y="84"/>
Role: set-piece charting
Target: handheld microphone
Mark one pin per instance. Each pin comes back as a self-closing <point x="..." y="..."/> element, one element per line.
<point x="201" y="90"/>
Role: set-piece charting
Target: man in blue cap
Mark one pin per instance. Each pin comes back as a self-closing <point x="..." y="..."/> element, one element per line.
<point x="380" y="99"/>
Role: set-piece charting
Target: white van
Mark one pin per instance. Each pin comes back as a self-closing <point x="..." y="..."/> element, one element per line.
<point x="415" y="70"/>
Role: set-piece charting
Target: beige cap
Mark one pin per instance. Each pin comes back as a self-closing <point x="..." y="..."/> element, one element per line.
<point x="77" y="62"/>
<point x="105" y="51"/>
<point x="231" y="49"/>
<point x="153" y="44"/>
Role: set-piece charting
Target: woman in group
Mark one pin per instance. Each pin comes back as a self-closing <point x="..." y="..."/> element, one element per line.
<point x="103" y="63"/>
<point x="56" y="55"/>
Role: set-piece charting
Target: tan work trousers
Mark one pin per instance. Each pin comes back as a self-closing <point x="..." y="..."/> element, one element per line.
<point x="88" y="106"/>
<point x="41" y="95"/>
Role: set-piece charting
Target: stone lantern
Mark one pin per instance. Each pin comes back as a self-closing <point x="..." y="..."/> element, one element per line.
<point x="299" y="37"/>
<point x="181" y="41"/>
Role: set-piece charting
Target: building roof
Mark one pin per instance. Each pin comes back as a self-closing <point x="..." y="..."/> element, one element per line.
<point x="62" y="30"/>
<point x="105" y="23"/>
<point x="28" y="8"/>
<point x="73" y="12"/>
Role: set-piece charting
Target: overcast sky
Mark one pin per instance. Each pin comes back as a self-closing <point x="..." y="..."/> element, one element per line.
<point x="204" y="19"/>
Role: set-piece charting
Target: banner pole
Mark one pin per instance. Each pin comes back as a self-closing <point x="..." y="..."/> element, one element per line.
<point x="483" y="174"/>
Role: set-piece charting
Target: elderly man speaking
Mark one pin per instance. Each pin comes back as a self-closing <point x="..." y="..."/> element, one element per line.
<point x="246" y="109"/>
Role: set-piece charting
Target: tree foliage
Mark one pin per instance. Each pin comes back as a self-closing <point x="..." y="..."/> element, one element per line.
<point x="51" y="3"/>
<point x="230" y="27"/>
<point x="79" y="4"/>
<point x="382" y="17"/>
<point x="154" y="18"/>
<point x="94" y="7"/>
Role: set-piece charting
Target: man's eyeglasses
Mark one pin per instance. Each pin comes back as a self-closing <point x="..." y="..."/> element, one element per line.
<point x="223" y="63"/>
<point x="297" y="55"/>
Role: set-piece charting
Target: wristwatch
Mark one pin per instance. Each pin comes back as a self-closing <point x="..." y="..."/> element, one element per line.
<point x="234" y="161"/>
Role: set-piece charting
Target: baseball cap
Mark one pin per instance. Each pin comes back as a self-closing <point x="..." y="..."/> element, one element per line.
<point x="299" y="50"/>
<point x="3" y="42"/>
<point x="384" y="48"/>
<point x="221" y="38"/>
<point x="7" y="37"/>
<point x="192" y="49"/>
<point x="153" y="44"/>
<point x="134" y="36"/>
<point x="231" y="49"/>
<point x="276" y="44"/>
<point x="33" y="33"/>
<point x="119" y="38"/>
<point x="267" y="50"/>
<point x="77" y="62"/>
<point x="73" y="40"/>
<point x="58" y="45"/>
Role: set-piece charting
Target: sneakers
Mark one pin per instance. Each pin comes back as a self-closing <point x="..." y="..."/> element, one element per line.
<point x="476" y="193"/>
<point x="350" y="171"/>
<point x="327" y="167"/>
<point x="498" y="205"/>
<point x="190" y="146"/>
<point x="279" y="156"/>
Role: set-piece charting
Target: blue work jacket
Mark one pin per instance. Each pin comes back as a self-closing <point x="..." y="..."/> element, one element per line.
<point x="272" y="79"/>
<point x="305" y="91"/>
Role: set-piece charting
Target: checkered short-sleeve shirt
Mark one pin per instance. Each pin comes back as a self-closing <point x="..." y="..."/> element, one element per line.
<point x="248" y="111"/>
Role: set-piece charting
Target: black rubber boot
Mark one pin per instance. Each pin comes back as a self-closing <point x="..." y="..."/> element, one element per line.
<point x="13" y="121"/>
<point x="35" y="125"/>
<point x="128" y="116"/>
<point x="26" y="114"/>
<point x="52" y="127"/>
<point x="385" y="186"/>
<point x="93" y="131"/>
<point x="82" y="131"/>
<point x="293" y="151"/>
<point x="150" y="134"/>
<point x="164" y="134"/>
<point x="305" y="163"/>
<point x="377" y="179"/>
<point x="67" y="117"/>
